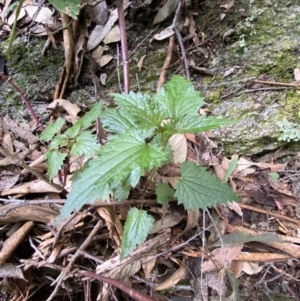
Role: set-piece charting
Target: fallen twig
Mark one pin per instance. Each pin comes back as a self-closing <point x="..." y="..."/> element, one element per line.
<point x="24" y="99"/>
<point x="162" y="76"/>
<point x="126" y="76"/>
<point x="133" y="293"/>
<point x="67" y="269"/>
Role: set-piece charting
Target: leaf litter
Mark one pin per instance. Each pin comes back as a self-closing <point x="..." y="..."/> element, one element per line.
<point x="252" y="237"/>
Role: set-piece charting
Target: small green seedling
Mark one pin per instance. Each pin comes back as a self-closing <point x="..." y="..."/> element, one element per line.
<point x="138" y="144"/>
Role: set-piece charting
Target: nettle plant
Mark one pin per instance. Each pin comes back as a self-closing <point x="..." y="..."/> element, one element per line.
<point x="139" y="129"/>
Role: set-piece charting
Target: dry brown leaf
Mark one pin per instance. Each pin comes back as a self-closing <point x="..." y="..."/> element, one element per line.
<point x="179" y="146"/>
<point x="100" y="31"/>
<point x="144" y="249"/>
<point x="98" y="14"/>
<point x="244" y="166"/>
<point x="113" y="35"/>
<point x="40" y="14"/>
<point x="37" y="186"/>
<point x="218" y="169"/>
<point x="12" y="17"/>
<point x="71" y="108"/>
<point x="113" y="223"/>
<point x="164" y="34"/>
<point x="252" y="268"/>
<point x="20" y="130"/>
<point x="168" y="8"/>
<point x="181" y="273"/>
<point x="79" y="52"/>
<point x="140" y="62"/>
<point x="222" y="257"/>
<point x="166" y="222"/>
<point x="149" y="264"/>
<point x="105" y="59"/>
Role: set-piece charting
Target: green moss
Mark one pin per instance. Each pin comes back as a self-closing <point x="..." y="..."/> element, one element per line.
<point x="213" y="97"/>
<point x="291" y="106"/>
<point x="34" y="74"/>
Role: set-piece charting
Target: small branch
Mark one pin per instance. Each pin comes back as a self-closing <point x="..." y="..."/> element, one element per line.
<point x="297" y="85"/>
<point x="133" y="293"/>
<point x="21" y="163"/>
<point x="179" y="38"/>
<point x="67" y="269"/>
<point x="24" y="99"/>
<point x="124" y="46"/>
<point x="167" y="62"/>
<point x="266" y="212"/>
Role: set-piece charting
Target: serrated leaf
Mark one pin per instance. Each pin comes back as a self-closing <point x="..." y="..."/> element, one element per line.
<point x="55" y="160"/>
<point x="164" y="193"/>
<point x="86" y="145"/>
<point x="90" y="117"/>
<point x="73" y="131"/>
<point x="198" y="188"/>
<point x="121" y="192"/>
<point x="85" y="122"/>
<point x="178" y="98"/>
<point x="196" y="124"/>
<point x="135" y="176"/>
<point x="52" y="129"/>
<point x="116" y="121"/>
<point x="140" y="109"/>
<point x="117" y="159"/>
<point x="69" y="7"/>
<point x="136" y="230"/>
<point x="58" y="141"/>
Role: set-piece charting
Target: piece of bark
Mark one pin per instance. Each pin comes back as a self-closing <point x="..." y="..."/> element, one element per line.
<point x="43" y="214"/>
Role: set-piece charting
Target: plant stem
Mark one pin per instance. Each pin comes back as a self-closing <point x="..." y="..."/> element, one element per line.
<point x="24" y="99"/>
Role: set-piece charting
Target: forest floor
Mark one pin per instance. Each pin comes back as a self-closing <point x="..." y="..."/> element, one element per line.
<point x="248" y="249"/>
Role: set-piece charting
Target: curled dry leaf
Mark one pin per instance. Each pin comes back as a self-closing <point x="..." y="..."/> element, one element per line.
<point x="179" y="146"/>
<point x="181" y="273"/>
<point x="113" y="36"/>
<point x="166" y="222"/>
<point x="222" y="256"/>
<point x="166" y="33"/>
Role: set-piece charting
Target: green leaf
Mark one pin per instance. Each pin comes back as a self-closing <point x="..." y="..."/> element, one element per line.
<point x="55" y="161"/>
<point x="274" y="176"/>
<point x="69" y="7"/>
<point x="164" y="193"/>
<point x="85" y="122"/>
<point x="139" y="109"/>
<point x="178" y="98"/>
<point x="135" y="176"/>
<point x="116" y="121"/>
<point x="231" y="168"/>
<point x="199" y="188"/>
<point x="117" y="159"/>
<point x="86" y="145"/>
<point x="121" y="192"/>
<point x="73" y="131"/>
<point x="58" y="141"/>
<point x="52" y="129"/>
<point x="195" y="124"/>
<point x="136" y="230"/>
